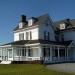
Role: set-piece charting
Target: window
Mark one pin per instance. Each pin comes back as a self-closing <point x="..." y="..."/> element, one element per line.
<point x="57" y="37"/>
<point x="62" y="37"/>
<point x="20" y="25"/>
<point x="46" y="35"/>
<point x="62" y="26"/>
<point x="21" y="36"/>
<point x="30" y="35"/>
<point x="23" y="52"/>
<point x="30" y="22"/>
<point x="27" y="35"/>
<point x="10" y="53"/>
<point x="29" y="52"/>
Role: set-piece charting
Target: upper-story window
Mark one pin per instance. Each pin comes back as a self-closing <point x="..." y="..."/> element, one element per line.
<point x="21" y="36"/>
<point x="27" y="34"/>
<point x="62" y="26"/>
<point x="30" y="35"/>
<point x="46" y="35"/>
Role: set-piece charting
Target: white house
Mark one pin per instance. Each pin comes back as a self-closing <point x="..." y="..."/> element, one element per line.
<point x="38" y="39"/>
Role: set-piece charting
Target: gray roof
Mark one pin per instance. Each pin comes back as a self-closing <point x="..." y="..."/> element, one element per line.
<point x="23" y="42"/>
<point x="40" y="19"/>
<point x="71" y="23"/>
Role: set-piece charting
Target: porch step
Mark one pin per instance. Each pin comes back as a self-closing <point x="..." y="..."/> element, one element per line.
<point x="5" y="62"/>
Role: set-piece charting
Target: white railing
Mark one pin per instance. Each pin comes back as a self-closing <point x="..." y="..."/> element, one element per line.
<point x="23" y="58"/>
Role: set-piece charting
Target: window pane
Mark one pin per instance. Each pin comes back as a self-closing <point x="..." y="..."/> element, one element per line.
<point x="23" y="52"/>
<point x="26" y="35"/>
<point x="29" y="52"/>
<point x="30" y="35"/>
<point x="21" y="36"/>
<point x="10" y="53"/>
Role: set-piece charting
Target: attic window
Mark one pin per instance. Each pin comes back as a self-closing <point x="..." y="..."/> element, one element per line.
<point x="31" y="21"/>
<point x="62" y="26"/>
<point x="20" y="25"/>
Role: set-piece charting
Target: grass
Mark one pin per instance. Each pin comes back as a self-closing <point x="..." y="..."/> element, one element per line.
<point x="27" y="69"/>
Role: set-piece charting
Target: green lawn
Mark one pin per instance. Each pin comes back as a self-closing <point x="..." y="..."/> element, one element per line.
<point x="27" y="69"/>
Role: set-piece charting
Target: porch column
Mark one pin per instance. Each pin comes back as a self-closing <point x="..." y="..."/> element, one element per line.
<point x="50" y="53"/>
<point x="12" y="54"/>
<point x="67" y="54"/>
<point x="6" y="54"/>
<point x="1" y="54"/>
<point x="58" y="54"/>
<point x="19" y="49"/>
<point x="21" y="54"/>
<point x="26" y="53"/>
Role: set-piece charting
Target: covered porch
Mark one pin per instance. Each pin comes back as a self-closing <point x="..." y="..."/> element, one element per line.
<point x="20" y="53"/>
<point x="57" y="53"/>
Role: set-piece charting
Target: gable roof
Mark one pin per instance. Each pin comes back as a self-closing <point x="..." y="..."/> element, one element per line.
<point x="40" y="19"/>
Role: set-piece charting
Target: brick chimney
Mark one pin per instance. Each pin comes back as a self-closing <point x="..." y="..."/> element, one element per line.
<point x="22" y="21"/>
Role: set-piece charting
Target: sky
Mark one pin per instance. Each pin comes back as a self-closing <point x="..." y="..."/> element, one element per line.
<point x="10" y="11"/>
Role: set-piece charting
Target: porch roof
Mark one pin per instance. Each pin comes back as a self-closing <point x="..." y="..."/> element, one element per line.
<point x="23" y="42"/>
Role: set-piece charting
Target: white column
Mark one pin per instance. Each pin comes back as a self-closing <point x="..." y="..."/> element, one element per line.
<point x="26" y="52"/>
<point x="6" y="54"/>
<point x="40" y="51"/>
<point x="12" y="54"/>
<point x="50" y="53"/>
<point x="19" y="49"/>
<point x="21" y="54"/>
<point x="58" y="54"/>
<point x="1" y="53"/>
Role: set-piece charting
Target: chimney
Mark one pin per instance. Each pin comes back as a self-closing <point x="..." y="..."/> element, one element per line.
<point x="23" y="18"/>
<point x="22" y="21"/>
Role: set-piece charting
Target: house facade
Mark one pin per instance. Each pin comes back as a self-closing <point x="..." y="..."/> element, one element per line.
<point x="39" y="39"/>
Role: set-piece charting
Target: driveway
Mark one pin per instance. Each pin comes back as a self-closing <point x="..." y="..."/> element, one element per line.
<point x="64" y="67"/>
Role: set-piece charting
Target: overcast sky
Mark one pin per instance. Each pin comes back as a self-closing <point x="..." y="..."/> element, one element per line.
<point x="10" y="11"/>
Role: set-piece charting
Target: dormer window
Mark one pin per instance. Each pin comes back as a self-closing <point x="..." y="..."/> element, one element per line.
<point x="31" y="21"/>
<point x="62" y="26"/>
<point x="20" y="25"/>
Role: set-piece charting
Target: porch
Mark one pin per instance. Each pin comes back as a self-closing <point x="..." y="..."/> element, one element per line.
<point x="19" y="53"/>
<point x="54" y="54"/>
<point x="47" y="53"/>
